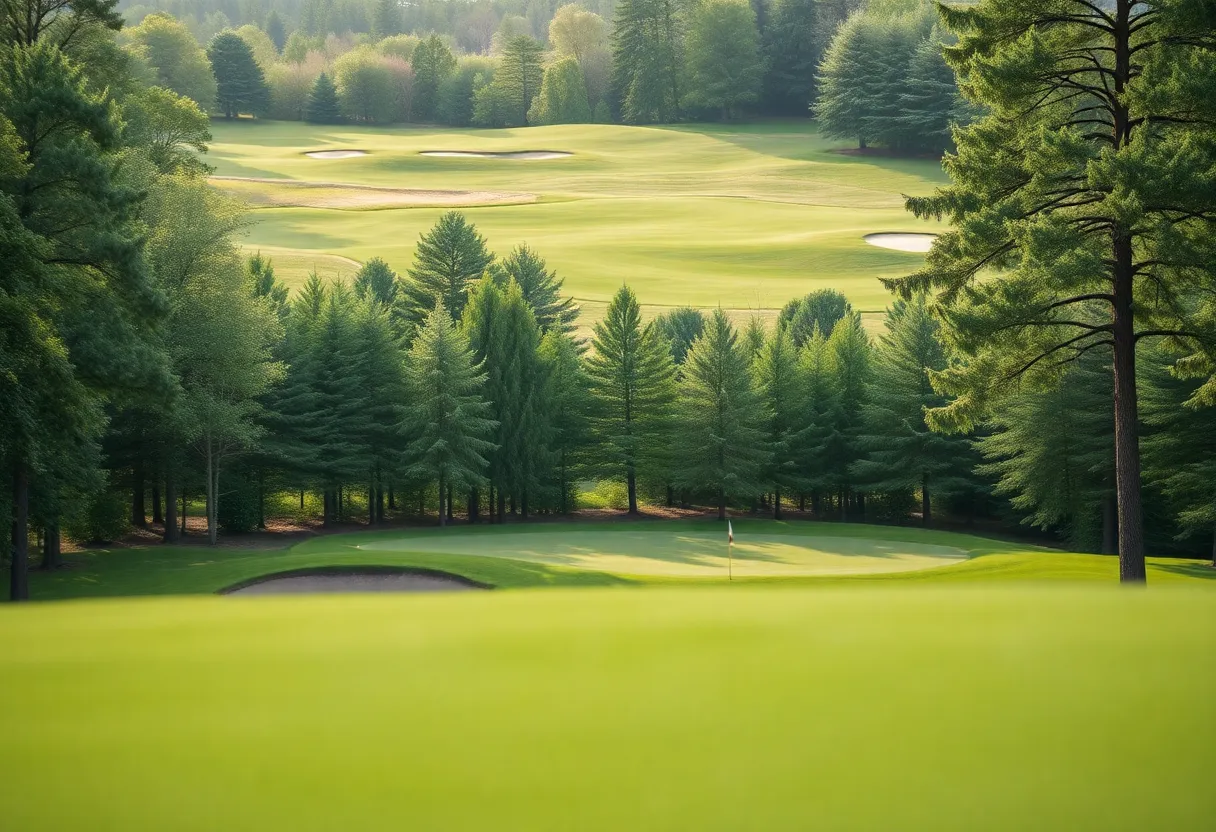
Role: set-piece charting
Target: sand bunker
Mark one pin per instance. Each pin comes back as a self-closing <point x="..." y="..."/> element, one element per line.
<point x="334" y="154"/>
<point x="348" y="581"/>
<point x="513" y="154"/>
<point x="902" y="242"/>
<point x="291" y="193"/>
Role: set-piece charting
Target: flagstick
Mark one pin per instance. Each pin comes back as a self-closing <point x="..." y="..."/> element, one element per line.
<point x="730" y="560"/>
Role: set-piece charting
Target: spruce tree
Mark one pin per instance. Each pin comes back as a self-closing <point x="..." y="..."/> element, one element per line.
<point x="518" y="77"/>
<point x="631" y="378"/>
<point x="541" y="288"/>
<point x="819" y="418"/>
<point x="648" y="60"/>
<point x="449" y="257"/>
<point x="792" y="49"/>
<point x="1075" y="225"/>
<point x="378" y="369"/>
<point x="724" y="64"/>
<point x="719" y="440"/>
<point x="432" y="63"/>
<point x="376" y="281"/>
<point x="386" y="19"/>
<point x="240" y="85"/>
<point x="781" y="389"/>
<point x="569" y="403"/>
<point x="276" y="30"/>
<point x="849" y="355"/>
<point x="563" y="95"/>
<point x="680" y="327"/>
<point x="901" y="453"/>
<point x="323" y="106"/>
<point x="821" y="310"/>
<point x="446" y="416"/>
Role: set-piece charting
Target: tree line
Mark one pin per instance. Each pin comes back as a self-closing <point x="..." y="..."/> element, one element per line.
<point x="873" y="73"/>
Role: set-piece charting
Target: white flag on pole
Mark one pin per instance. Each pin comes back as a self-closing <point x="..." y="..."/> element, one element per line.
<point x="730" y="533"/>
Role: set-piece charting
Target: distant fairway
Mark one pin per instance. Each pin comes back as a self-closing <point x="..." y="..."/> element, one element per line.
<point x="744" y="707"/>
<point x="744" y="216"/>
<point x="691" y="554"/>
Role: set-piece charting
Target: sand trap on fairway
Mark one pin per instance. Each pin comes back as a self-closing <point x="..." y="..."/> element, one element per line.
<point x="345" y="581"/>
<point x="512" y="154"/>
<point x="688" y="554"/>
<point x="293" y="193"/>
<point x="334" y="154"/>
<point x="902" y="242"/>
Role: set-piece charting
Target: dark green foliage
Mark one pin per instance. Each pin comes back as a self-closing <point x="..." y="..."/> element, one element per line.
<point x="568" y="401"/>
<point x="238" y="504"/>
<point x="266" y="285"/>
<point x="433" y="62"/>
<point x="386" y="19"/>
<point x="563" y="95"/>
<point x="631" y="375"/>
<point x="793" y="50"/>
<point x="541" y="289"/>
<point x="240" y="86"/>
<point x="902" y="453"/>
<point x="680" y="327"/>
<point x="518" y="77"/>
<point x="100" y="517"/>
<point x="323" y="106"/>
<point x="449" y="257"/>
<point x="376" y="281"/>
<point x="724" y="65"/>
<point x="720" y="445"/>
<point x="275" y="30"/>
<point x="648" y="60"/>
<point x="446" y="418"/>
<point x="782" y="391"/>
<point x="821" y="310"/>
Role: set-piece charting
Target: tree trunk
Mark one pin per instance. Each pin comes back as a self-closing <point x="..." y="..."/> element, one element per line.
<point x="844" y="506"/>
<point x="563" y="500"/>
<point x="157" y="515"/>
<point x="184" y="512"/>
<point x="502" y="506"/>
<point x="171" y="531"/>
<point x="523" y="504"/>
<point x="926" y="508"/>
<point x="1214" y="548"/>
<point x="861" y="142"/>
<point x="631" y="482"/>
<point x="721" y="504"/>
<point x="341" y="502"/>
<point x="213" y="491"/>
<point x="671" y="497"/>
<point x="815" y="504"/>
<point x="861" y="508"/>
<point x="1110" y="525"/>
<point x="261" y="498"/>
<point x="301" y="499"/>
<point x="379" y="503"/>
<point x="52" y="550"/>
<point x="139" y="517"/>
<point x="1127" y="440"/>
<point x="392" y="498"/>
<point x="474" y="505"/>
<point x="371" y="504"/>
<point x="777" y="503"/>
<point x="451" y="515"/>
<point x="512" y="504"/>
<point x="19" y="578"/>
<point x="443" y="517"/>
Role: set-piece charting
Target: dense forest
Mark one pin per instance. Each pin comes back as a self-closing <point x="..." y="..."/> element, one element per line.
<point x="1050" y="365"/>
<point x="873" y="73"/>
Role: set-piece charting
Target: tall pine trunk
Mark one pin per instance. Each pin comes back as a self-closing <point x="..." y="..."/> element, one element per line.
<point x="474" y="505"/>
<point x="52" y="548"/>
<point x="926" y="507"/>
<point x="19" y="578"/>
<point x="139" y="517"/>
<point x="171" y="534"/>
<point x="451" y="515"/>
<point x="184" y="511"/>
<point x="443" y="516"/>
<point x="631" y="482"/>
<point x="502" y="506"/>
<point x="1110" y="524"/>
<point x="157" y="515"/>
<point x="777" y="503"/>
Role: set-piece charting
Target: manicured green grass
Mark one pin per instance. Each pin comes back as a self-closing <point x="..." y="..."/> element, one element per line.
<point x="723" y="708"/>
<point x="743" y="217"/>
<point x="606" y="553"/>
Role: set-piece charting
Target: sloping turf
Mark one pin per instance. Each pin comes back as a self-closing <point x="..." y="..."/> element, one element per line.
<point x="724" y="708"/>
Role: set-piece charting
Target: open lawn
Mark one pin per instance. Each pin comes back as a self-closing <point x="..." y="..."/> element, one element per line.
<point x="720" y="708"/>
<point x="741" y="216"/>
<point x="609" y="553"/>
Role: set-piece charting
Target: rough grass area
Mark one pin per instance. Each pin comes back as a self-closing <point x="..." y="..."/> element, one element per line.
<point x="602" y="553"/>
<point x="725" y="708"/>
<point x="742" y="216"/>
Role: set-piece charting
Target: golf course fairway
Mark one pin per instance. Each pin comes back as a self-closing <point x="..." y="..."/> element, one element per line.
<point x="737" y="707"/>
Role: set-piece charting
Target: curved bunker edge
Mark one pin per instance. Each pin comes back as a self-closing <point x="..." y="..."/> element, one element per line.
<point x="430" y="580"/>
<point x="497" y="154"/>
<point x="336" y="153"/>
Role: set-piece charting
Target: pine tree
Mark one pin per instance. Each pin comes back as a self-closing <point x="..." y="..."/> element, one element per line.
<point x="849" y="356"/>
<point x="386" y="19"/>
<point x="432" y="63"/>
<point x="793" y="51"/>
<point x="323" y="106"/>
<point x="240" y="85"/>
<point x="680" y="327"/>
<point x="902" y="453"/>
<point x="631" y="377"/>
<point x="781" y="388"/>
<point x="541" y="289"/>
<point x="276" y="30"/>
<point x="1083" y="260"/>
<point x="449" y="257"/>
<point x="821" y="309"/>
<point x="563" y="95"/>
<point x="518" y="77"/>
<point x="446" y="415"/>
<point x="724" y="65"/>
<point x="266" y="285"/>
<point x="720" y="446"/>
<point x="648" y="60"/>
<point x="378" y="369"/>
<point x="569" y="405"/>
<point x="376" y="281"/>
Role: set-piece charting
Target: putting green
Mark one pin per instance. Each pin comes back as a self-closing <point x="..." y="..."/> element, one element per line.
<point x="687" y="554"/>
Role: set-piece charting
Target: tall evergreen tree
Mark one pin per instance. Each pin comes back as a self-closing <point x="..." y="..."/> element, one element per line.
<point x="323" y="106"/>
<point x="518" y="77"/>
<point x="377" y="281"/>
<point x="386" y="19"/>
<point x="631" y="377"/>
<point x="648" y="60"/>
<point x="720" y="444"/>
<point x="1079" y="249"/>
<point x="446" y="415"/>
<point x="850" y="360"/>
<point x="569" y="403"/>
<point x="781" y="389"/>
<point x="432" y="62"/>
<point x="541" y="289"/>
<point x="680" y="327"/>
<point x="821" y="310"/>
<point x="724" y="65"/>
<point x="449" y="257"/>
<point x="276" y="30"/>
<point x="563" y="95"/>
<point x="792" y="50"/>
<point x="240" y="85"/>
<point x="901" y="453"/>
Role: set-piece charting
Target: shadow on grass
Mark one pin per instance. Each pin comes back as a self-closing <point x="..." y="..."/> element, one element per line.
<point x="1199" y="569"/>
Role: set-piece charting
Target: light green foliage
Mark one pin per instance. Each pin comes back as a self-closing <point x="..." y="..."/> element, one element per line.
<point x="240" y="84"/>
<point x="263" y="48"/>
<point x="446" y="418"/>
<point x="376" y="281"/>
<point x="449" y="257"/>
<point x="518" y="77"/>
<point x="563" y="96"/>
<point x="178" y="61"/>
<point x="902" y="453"/>
<point x="171" y="129"/>
<point x="399" y="46"/>
<point x="583" y="35"/>
<point x="265" y="285"/>
<point x="725" y="68"/>
<point x="567" y="398"/>
<point x="541" y="289"/>
<point x="631" y="375"/>
<point x="821" y="309"/>
<point x="457" y="91"/>
<point x="291" y="85"/>
<point x="366" y="87"/>
<point x="432" y="62"/>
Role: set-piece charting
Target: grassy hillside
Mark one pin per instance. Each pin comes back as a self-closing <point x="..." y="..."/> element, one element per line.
<point x="745" y="217"/>
<point x="725" y="708"/>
